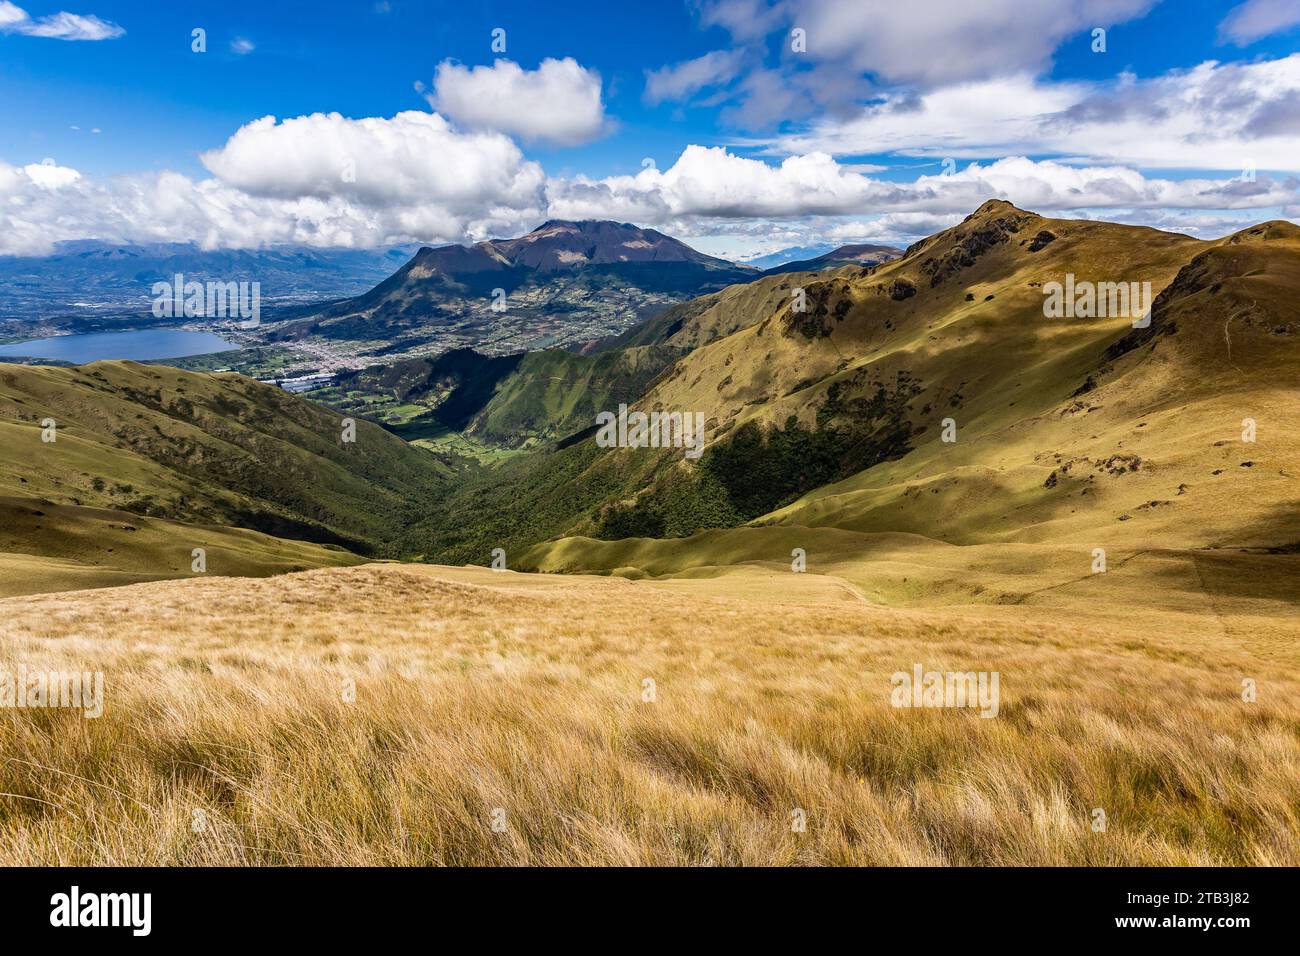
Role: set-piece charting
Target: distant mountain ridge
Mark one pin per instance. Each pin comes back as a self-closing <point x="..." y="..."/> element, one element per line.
<point x="831" y="417"/>
<point x="559" y="244"/>
<point x="789" y="254"/>
<point x="555" y="246"/>
<point x="925" y="403"/>
<point x="567" y="281"/>
<point x="88" y="276"/>
<point x="859" y="254"/>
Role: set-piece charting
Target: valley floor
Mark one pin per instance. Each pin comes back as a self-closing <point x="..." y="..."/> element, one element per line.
<point x="402" y="714"/>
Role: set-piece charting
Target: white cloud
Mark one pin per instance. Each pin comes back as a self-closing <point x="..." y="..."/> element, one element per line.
<point x="712" y="183"/>
<point x="559" y="102"/>
<point x="1215" y="116"/>
<point x="746" y="20"/>
<point x="1255" y="19"/>
<point x="894" y="227"/>
<point x="42" y="206"/>
<point x="319" y="180"/>
<point x="324" y="180"/>
<point x="1049" y="185"/>
<point x="56" y="26"/>
<point x="1204" y="225"/>
<point x="744" y="239"/>
<point x="948" y="41"/>
<point x="412" y="159"/>
<point x="966" y="80"/>
<point x="680" y="81"/>
<point x="988" y="117"/>
<point x="852" y="51"/>
<point x="242" y="46"/>
<point x="47" y="174"/>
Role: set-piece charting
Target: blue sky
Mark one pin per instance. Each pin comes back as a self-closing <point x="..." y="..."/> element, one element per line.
<point x="159" y="105"/>
<point x="755" y="144"/>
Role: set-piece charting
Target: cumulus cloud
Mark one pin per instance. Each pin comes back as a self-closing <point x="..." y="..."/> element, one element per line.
<point x="56" y="26"/>
<point x="1204" y="225"/>
<point x="36" y="211"/>
<point x="557" y="103"/>
<point x="712" y="183"/>
<point x="1049" y="185"/>
<point x="49" y="175"/>
<point x="894" y="227"/>
<point x="741" y="240"/>
<point x="414" y="158"/>
<point x="324" y="180"/>
<point x="1256" y="19"/>
<point x="318" y="180"/>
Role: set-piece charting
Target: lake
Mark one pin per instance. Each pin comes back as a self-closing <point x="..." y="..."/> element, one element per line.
<point x="140" y="346"/>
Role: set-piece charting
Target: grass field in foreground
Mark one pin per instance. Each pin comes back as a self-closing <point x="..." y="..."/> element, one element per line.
<point x="228" y="737"/>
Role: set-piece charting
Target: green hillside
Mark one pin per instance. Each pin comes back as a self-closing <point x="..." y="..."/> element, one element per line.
<point x="52" y="547"/>
<point x="185" y="450"/>
<point x="827" y="430"/>
<point x="1070" y="434"/>
<point x="1071" y="431"/>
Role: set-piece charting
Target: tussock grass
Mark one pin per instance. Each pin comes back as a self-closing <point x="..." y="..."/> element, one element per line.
<point x="477" y="691"/>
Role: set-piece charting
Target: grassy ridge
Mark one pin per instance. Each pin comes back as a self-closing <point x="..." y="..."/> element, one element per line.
<point x="81" y="547"/>
<point x="1081" y="432"/>
<point x="1086" y="433"/>
<point x="208" y="450"/>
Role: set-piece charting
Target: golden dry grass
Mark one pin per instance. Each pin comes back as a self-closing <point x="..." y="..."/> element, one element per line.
<point x="477" y="691"/>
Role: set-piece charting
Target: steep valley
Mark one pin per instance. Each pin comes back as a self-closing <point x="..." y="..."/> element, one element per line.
<point x="671" y="658"/>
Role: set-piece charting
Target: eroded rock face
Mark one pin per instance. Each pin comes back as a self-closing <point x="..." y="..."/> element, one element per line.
<point x="973" y="239"/>
<point x="827" y="303"/>
<point x="1041" y="240"/>
<point x="901" y="289"/>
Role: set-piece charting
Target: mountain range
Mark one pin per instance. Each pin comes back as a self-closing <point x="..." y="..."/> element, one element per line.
<point x="562" y="283"/>
<point x="580" y="272"/>
<point x="862" y="254"/>
<point x="789" y="254"/>
<point x="919" y="415"/>
<point x="572" y="284"/>
<point x="90" y="279"/>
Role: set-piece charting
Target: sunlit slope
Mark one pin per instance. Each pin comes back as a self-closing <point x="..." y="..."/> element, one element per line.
<point x="954" y="328"/>
<point x="148" y="442"/>
<point x="710" y="317"/>
<point x="1071" y="434"/>
<point x="1151" y="451"/>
